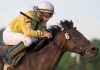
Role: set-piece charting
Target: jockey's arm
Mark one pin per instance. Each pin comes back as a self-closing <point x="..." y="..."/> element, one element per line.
<point x="27" y="30"/>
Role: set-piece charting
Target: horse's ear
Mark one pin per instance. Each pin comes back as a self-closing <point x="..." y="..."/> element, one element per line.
<point x="71" y="23"/>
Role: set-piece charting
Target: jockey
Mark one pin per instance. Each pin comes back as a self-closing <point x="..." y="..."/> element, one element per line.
<point x="26" y="28"/>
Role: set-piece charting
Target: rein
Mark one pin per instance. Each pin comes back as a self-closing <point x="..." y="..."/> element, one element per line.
<point x="55" y="41"/>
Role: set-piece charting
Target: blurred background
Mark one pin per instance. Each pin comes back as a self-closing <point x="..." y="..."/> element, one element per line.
<point x="84" y="14"/>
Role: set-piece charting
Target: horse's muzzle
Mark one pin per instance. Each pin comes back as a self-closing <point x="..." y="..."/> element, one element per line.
<point x="91" y="52"/>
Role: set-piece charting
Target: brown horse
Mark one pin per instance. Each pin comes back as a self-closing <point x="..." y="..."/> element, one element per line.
<point x="67" y="38"/>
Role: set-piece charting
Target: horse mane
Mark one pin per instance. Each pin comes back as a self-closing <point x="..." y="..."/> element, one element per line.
<point x="66" y="24"/>
<point x="54" y="30"/>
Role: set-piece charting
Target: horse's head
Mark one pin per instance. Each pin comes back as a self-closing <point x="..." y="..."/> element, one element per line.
<point x="74" y="41"/>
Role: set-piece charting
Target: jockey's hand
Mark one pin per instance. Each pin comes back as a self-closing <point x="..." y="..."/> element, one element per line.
<point x="47" y="35"/>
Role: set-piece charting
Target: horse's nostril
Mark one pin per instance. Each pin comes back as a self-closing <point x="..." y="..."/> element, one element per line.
<point x="93" y="48"/>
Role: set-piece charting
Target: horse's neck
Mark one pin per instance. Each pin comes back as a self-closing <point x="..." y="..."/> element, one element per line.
<point x="44" y="59"/>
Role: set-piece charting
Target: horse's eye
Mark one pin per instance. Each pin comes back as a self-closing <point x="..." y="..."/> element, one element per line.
<point x="67" y="36"/>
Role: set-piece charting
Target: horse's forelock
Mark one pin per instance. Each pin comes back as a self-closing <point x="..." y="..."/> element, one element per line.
<point x="67" y="24"/>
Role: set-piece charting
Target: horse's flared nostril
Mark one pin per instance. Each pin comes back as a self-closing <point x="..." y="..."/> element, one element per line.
<point x="93" y="49"/>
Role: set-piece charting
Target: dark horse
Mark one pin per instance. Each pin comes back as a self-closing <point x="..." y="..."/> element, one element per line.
<point x="67" y="38"/>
